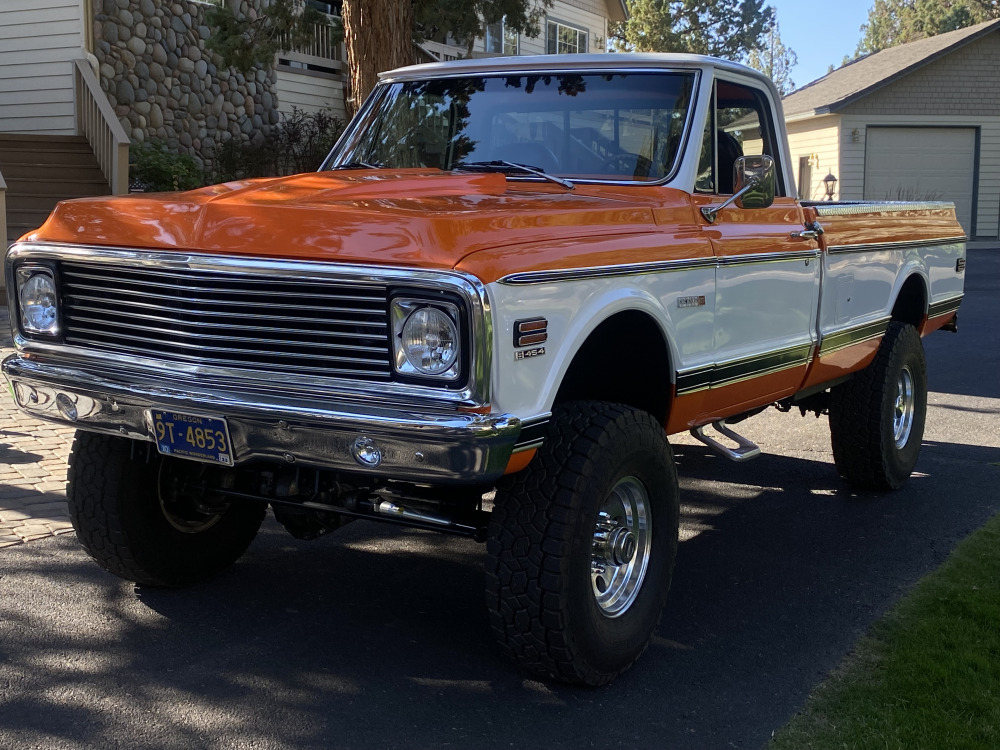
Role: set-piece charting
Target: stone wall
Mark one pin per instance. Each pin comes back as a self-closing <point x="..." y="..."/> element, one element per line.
<point x="166" y="86"/>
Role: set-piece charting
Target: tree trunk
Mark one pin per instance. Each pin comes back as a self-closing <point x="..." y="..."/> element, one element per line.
<point x="379" y="36"/>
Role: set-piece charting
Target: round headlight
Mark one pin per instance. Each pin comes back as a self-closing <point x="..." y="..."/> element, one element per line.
<point x="430" y="341"/>
<point x="38" y="304"/>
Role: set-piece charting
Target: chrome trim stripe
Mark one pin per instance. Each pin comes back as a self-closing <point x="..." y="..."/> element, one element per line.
<point x="327" y="389"/>
<point x="945" y="306"/>
<point x="903" y="245"/>
<point x="833" y="342"/>
<point x="736" y="371"/>
<point x="532" y="433"/>
<point x="848" y="208"/>
<point x="664" y="266"/>
<point x="598" y="272"/>
<point x="777" y="257"/>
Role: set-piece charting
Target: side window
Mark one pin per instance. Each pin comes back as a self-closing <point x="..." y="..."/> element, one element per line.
<point x="742" y="122"/>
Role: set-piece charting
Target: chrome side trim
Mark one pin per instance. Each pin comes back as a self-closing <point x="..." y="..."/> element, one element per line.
<point x="599" y="272"/>
<point x="532" y="433"/>
<point x="902" y="245"/>
<point x="854" y="208"/>
<point x="476" y="393"/>
<point x="738" y="370"/>
<point x="782" y="257"/>
<point x="665" y="266"/>
<point x="944" y="307"/>
<point x="834" y="342"/>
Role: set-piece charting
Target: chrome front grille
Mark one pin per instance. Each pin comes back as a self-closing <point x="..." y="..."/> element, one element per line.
<point x="275" y="324"/>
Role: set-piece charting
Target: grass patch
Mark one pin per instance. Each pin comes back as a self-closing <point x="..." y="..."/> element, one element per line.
<point x="927" y="676"/>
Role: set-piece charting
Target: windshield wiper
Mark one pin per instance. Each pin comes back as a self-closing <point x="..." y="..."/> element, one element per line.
<point x="500" y="165"/>
<point x="357" y="165"/>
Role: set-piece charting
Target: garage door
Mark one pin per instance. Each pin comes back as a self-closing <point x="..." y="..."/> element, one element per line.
<point x="922" y="164"/>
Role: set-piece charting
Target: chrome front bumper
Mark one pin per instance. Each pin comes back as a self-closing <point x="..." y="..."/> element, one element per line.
<point x="428" y="448"/>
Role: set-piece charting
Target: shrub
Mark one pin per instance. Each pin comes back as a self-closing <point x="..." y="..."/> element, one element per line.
<point x="155" y="168"/>
<point x="298" y="143"/>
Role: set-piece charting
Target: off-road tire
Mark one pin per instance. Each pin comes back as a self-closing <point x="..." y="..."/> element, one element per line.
<point x="864" y="414"/>
<point x="115" y="507"/>
<point x="542" y="602"/>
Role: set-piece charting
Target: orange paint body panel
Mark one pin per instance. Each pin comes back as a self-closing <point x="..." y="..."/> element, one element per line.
<point x="703" y="407"/>
<point x="843" y="362"/>
<point x="875" y="227"/>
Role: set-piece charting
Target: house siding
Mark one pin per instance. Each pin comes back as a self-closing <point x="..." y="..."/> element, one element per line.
<point x="590" y="15"/>
<point x="39" y="39"/>
<point x="817" y="137"/>
<point x="309" y="92"/>
<point x="963" y="82"/>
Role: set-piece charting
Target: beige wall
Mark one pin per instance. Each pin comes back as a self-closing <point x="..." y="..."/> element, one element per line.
<point x="39" y="39"/>
<point x="818" y="137"/>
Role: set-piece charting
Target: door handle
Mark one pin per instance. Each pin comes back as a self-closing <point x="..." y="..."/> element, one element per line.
<point x="813" y="231"/>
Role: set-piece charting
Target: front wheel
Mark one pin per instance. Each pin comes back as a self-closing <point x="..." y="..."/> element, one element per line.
<point x="877" y="417"/>
<point x="142" y="516"/>
<point x="582" y="544"/>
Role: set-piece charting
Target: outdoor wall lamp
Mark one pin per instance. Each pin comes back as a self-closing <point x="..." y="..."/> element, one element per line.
<point x="830" y="183"/>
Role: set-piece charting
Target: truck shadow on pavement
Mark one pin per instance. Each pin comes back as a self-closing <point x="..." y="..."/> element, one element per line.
<point x="376" y="637"/>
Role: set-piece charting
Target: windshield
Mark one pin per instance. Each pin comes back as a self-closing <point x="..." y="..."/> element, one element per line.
<point x="619" y="126"/>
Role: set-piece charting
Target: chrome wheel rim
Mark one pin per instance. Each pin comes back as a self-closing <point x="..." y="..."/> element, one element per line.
<point x="902" y="414"/>
<point x="621" y="546"/>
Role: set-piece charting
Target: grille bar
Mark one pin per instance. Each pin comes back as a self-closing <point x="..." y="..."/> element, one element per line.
<point x="229" y="320"/>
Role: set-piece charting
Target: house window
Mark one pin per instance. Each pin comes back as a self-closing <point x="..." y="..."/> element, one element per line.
<point x="501" y="39"/>
<point x="561" y="39"/>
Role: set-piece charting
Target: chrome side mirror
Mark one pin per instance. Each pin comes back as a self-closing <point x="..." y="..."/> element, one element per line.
<point x="753" y="186"/>
<point x="756" y="173"/>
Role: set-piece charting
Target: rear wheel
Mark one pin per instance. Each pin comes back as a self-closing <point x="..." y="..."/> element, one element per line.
<point x="582" y="544"/>
<point x="141" y="515"/>
<point x="877" y="417"/>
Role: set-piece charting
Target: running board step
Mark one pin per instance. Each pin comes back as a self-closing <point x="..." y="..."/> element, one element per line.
<point x="745" y="450"/>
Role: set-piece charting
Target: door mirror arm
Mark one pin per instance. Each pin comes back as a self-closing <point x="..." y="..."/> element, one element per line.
<point x="753" y="181"/>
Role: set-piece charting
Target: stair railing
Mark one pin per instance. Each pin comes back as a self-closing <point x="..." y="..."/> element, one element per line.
<point x="96" y="121"/>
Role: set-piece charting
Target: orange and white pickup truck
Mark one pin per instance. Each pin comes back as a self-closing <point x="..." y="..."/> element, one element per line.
<point x="508" y="284"/>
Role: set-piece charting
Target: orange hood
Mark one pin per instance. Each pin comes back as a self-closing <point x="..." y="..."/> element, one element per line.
<point x="416" y="217"/>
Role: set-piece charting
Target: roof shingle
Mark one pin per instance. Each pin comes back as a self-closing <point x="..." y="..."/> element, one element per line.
<point x="866" y="74"/>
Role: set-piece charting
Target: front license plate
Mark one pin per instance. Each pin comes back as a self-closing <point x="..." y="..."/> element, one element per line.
<point x="192" y="436"/>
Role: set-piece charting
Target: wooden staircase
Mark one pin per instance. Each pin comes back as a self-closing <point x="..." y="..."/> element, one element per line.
<point x="40" y="171"/>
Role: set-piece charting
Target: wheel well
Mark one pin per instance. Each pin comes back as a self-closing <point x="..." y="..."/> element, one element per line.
<point x="911" y="304"/>
<point x="637" y="372"/>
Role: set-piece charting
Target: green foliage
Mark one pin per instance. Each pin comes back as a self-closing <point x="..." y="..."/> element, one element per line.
<point x="466" y="20"/>
<point x="724" y="28"/>
<point x="928" y="676"/>
<point x="244" y="42"/>
<point x="894" y="22"/>
<point x="299" y="143"/>
<point x="775" y="60"/>
<point x="155" y="168"/>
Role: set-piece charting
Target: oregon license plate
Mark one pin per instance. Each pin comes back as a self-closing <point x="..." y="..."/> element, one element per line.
<point x="192" y="436"/>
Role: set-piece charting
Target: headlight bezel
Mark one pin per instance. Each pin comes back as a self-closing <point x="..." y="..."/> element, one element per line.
<point x="403" y="304"/>
<point x="23" y="273"/>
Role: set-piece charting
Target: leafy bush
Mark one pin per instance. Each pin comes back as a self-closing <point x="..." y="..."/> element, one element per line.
<point x="298" y="143"/>
<point x="155" y="168"/>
